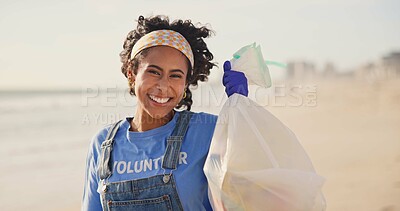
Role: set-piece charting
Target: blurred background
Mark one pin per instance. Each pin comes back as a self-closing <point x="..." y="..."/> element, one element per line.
<point x="60" y="83"/>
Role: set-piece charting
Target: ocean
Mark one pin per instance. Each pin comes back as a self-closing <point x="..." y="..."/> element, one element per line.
<point x="44" y="140"/>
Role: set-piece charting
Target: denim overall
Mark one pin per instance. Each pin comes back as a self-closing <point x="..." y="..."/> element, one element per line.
<point x="153" y="193"/>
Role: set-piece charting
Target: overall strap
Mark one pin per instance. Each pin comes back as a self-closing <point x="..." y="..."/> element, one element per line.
<point x="174" y="142"/>
<point x="104" y="170"/>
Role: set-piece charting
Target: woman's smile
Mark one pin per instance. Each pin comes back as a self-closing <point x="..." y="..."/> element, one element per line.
<point x="159" y="100"/>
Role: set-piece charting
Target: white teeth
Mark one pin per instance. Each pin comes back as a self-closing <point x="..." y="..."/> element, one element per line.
<point x="159" y="100"/>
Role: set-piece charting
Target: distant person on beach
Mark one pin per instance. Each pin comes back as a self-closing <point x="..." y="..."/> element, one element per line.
<point x="154" y="160"/>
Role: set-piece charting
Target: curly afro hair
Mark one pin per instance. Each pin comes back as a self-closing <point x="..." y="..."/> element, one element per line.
<point x="194" y="35"/>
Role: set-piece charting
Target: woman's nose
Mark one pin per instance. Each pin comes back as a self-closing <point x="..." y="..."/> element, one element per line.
<point x="163" y="84"/>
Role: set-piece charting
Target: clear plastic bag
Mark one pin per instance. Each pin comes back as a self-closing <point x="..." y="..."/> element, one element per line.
<point x="256" y="163"/>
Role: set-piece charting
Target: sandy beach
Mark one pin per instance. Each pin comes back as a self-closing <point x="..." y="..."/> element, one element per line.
<point x="353" y="139"/>
<point x="351" y="131"/>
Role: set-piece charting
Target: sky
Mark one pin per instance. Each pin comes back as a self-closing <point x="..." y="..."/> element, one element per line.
<point x="50" y="44"/>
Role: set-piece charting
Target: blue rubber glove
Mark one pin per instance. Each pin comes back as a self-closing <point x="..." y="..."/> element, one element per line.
<point x="234" y="81"/>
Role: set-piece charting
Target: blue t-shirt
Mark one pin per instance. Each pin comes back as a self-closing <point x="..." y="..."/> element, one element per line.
<point x="138" y="155"/>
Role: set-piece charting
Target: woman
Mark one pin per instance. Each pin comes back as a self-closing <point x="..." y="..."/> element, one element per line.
<point x="154" y="160"/>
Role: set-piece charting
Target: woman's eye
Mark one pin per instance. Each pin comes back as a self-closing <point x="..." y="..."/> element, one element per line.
<point x="154" y="72"/>
<point x="176" y="76"/>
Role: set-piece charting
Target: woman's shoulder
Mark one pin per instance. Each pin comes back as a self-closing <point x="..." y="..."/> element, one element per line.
<point x="201" y="129"/>
<point x="99" y="138"/>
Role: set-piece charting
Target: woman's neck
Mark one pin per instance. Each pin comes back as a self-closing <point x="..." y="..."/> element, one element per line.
<point x="142" y="121"/>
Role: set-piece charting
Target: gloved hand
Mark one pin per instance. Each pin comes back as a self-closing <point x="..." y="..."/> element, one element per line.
<point x="234" y="81"/>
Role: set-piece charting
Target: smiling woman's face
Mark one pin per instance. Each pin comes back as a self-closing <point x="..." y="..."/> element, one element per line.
<point x="160" y="81"/>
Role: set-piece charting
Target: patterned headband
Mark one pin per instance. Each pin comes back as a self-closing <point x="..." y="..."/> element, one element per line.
<point x="167" y="38"/>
